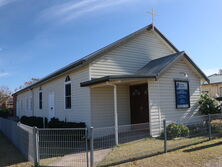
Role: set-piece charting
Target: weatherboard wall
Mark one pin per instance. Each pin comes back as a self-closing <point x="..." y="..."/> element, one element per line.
<point x="80" y="111"/>
<point x="102" y="106"/>
<point x="162" y="96"/>
<point x="131" y="56"/>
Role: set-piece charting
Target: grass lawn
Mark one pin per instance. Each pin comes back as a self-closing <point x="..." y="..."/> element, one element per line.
<point x="193" y="156"/>
<point x="10" y="156"/>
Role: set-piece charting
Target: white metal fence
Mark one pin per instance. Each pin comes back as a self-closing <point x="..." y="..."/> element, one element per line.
<point x="87" y="147"/>
<point x="63" y="147"/>
<point x="105" y="137"/>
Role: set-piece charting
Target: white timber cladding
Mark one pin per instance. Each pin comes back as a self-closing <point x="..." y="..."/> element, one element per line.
<point x="102" y="106"/>
<point x="95" y="105"/>
<point x="165" y="102"/>
<point x="25" y="103"/>
<point x="131" y="56"/>
<point x="80" y="96"/>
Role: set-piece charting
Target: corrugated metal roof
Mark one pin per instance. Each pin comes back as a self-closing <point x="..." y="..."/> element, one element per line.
<point x="153" y="69"/>
<point x="215" y="78"/>
<point x="155" y="66"/>
<point x="113" y="78"/>
<point x="91" y="57"/>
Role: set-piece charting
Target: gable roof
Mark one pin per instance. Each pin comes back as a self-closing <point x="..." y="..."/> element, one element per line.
<point x="91" y="57"/>
<point x="214" y="79"/>
<point x="158" y="66"/>
<point x="155" y="66"/>
<point x="153" y="69"/>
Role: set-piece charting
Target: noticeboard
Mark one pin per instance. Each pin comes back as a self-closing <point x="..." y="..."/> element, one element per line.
<point x="182" y="94"/>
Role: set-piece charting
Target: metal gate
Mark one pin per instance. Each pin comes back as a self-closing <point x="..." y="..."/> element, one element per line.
<point x="63" y="147"/>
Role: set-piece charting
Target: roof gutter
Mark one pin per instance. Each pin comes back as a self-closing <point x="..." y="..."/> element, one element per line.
<point x="52" y="76"/>
<point x="112" y="78"/>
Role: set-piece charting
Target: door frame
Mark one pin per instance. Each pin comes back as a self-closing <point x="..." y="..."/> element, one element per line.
<point x="148" y="107"/>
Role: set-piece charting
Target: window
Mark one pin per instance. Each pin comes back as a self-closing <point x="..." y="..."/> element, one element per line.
<point x="22" y="106"/>
<point x="30" y="104"/>
<point x="68" y="93"/>
<point x="40" y="100"/>
<point x="27" y="104"/>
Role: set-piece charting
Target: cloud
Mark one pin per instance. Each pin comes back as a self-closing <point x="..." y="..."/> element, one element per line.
<point x="3" y="74"/>
<point x="71" y="10"/>
<point x="5" y="2"/>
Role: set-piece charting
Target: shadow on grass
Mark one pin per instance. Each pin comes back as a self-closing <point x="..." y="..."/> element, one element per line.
<point x="149" y="155"/>
<point x="203" y="147"/>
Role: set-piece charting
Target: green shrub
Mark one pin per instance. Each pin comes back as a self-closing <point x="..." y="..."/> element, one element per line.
<point x="177" y="130"/>
<point x="56" y="123"/>
<point x="6" y="112"/>
<point x="33" y="121"/>
<point x="53" y="123"/>
<point x="208" y="105"/>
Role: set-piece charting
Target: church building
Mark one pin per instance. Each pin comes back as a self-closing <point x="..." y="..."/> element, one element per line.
<point x="141" y="78"/>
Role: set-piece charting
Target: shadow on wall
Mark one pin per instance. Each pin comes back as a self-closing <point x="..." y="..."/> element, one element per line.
<point x="10" y="155"/>
<point x="193" y="111"/>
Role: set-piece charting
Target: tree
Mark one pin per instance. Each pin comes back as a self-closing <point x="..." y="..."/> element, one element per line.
<point x="208" y="105"/>
<point x="5" y="93"/>
<point x="27" y="83"/>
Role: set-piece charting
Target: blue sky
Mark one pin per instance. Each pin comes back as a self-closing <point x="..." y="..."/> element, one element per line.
<point x="39" y="36"/>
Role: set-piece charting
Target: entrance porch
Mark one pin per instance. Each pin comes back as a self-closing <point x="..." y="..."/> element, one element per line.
<point x="123" y="106"/>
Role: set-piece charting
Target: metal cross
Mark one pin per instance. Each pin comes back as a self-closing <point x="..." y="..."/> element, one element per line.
<point x="153" y="14"/>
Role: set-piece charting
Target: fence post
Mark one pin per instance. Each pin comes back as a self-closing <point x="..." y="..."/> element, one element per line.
<point x="35" y="147"/>
<point x="165" y="136"/>
<point x="87" y="152"/>
<point x="209" y="126"/>
<point x="91" y="147"/>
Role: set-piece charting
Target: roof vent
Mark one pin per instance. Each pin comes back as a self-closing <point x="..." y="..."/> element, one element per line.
<point x="220" y="71"/>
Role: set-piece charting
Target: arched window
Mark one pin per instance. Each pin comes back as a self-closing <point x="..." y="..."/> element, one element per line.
<point x="68" y="91"/>
<point x="67" y="79"/>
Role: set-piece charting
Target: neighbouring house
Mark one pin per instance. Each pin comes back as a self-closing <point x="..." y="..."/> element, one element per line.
<point x="141" y="78"/>
<point x="214" y="87"/>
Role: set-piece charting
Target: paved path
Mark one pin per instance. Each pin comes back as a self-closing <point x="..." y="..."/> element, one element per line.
<point x="79" y="159"/>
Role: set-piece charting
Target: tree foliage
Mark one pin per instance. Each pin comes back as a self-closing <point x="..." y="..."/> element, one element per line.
<point x="5" y="93"/>
<point x="209" y="105"/>
<point x="27" y="83"/>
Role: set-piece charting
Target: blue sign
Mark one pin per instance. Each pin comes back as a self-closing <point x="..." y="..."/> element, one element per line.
<point x="182" y="94"/>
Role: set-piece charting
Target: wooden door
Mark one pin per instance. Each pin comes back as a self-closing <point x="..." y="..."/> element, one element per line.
<point x="51" y="105"/>
<point x="139" y="104"/>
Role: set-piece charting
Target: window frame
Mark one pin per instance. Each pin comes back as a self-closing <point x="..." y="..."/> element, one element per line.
<point x="67" y="82"/>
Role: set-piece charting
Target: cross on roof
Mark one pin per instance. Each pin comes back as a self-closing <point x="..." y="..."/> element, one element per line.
<point x="153" y="14"/>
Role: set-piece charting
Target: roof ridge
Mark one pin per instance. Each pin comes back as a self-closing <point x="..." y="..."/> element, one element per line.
<point x="91" y="57"/>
